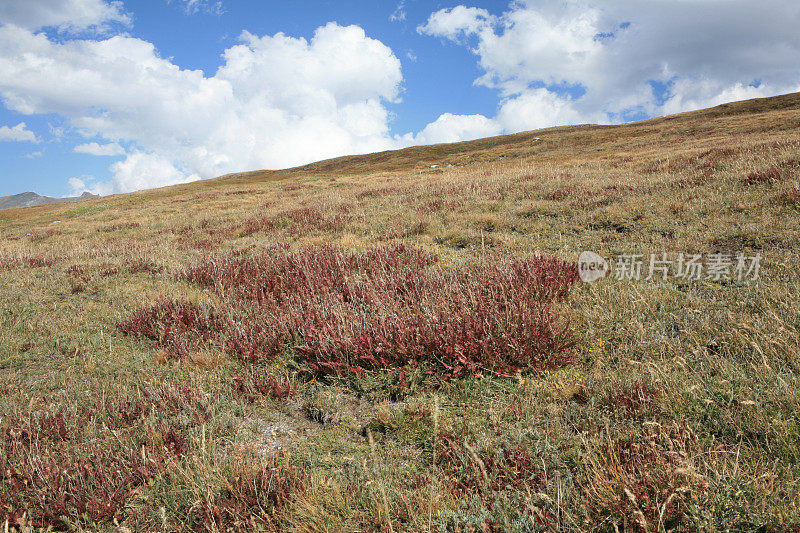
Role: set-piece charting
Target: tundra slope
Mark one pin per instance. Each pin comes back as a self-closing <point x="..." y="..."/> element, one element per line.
<point x="165" y="362"/>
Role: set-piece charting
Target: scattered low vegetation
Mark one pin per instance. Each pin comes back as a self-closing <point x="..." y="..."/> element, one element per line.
<point x="373" y="344"/>
<point x="385" y="309"/>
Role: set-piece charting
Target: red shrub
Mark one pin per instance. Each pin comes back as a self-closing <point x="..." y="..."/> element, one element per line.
<point x="243" y="192"/>
<point x="33" y="427"/>
<point x="633" y="398"/>
<point x="257" y="225"/>
<point x="50" y="476"/>
<point x="647" y="483"/>
<point x="438" y="204"/>
<point x="185" y="400"/>
<point x="562" y="193"/>
<point x="275" y="276"/>
<point x="253" y="498"/>
<point x="793" y="196"/>
<point x="178" y="326"/>
<point x="38" y="261"/>
<point x="109" y="272"/>
<point x="500" y="478"/>
<point x="44" y="488"/>
<point x="308" y="219"/>
<point x="164" y="400"/>
<point x="297" y="221"/>
<point x="119" y="227"/>
<point x="143" y="265"/>
<point x="255" y="383"/>
<point x="53" y="470"/>
<point x="472" y="471"/>
<point x="77" y="273"/>
<point x="783" y="171"/>
<point x="31" y="261"/>
<point x="253" y="338"/>
<point x="380" y="309"/>
<point x="173" y="442"/>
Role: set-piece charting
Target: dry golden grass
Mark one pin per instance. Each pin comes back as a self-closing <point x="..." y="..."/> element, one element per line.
<point x="715" y="448"/>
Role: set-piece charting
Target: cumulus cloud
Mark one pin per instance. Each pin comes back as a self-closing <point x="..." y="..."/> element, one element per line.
<point x="86" y="183"/>
<point x="583" y="61"/>
<point x="110" y="149"/>
<point x="142" y="170"/>
<point x="540" y="108"/>
<point x="77" y="185"/>
<point x="453" y="128"/>
<point x="276" y="101"/>
<point x="19" y="133"/>
<point x="64" y="15"/>
<point x="458" y="22"/>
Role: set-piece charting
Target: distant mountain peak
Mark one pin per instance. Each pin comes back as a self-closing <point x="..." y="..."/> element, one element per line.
<point x="31" y="199"/>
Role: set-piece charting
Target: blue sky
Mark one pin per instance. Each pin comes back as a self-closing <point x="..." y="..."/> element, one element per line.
<point x="103" y="96"/>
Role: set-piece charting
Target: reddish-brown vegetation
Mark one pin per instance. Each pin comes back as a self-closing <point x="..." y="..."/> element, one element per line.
<point x="254" y="383"/>
<point x="472" y="471"/>
<point x="179" y="327"/>
<point x="706" y="160"/>
<point x="382" y="309"/>
<point x="121" y="226"/>
<point x="634" y="398"/>
<point x="109" y="272"/>
<point x="296" y="221"/>
<point x="645" y="484"/>
<point x="136" y="266"/>
<point x="48" y="487"/>
<point x="783" y="171"/>
<point x="252" y="498"/>
<point x="509" y="473"/>
<point x="54" y="472"/>
<point x="30" y="261"/>
<point x="793" y="196"/>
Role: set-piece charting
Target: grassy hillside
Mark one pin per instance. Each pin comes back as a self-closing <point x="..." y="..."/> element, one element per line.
<point x="399" y="342"/>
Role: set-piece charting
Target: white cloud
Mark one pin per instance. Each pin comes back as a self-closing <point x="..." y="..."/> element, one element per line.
<point x="34" y="155"/>
<point x="87" y="183"/>
<point x="195" y="6"/>
<point x="583" y="61"/>
<point x="110" y="149"/>
<point x="77" y="185"/>
<point x="399" y="14"/>
<point x="19" y="133"/>
<point x="540" y="108"/>
<point x="65" y="15"/>
<point x="458" y="22"/>
<point x="142" y="170"/>
<point x="453" y="128"/>
<point x="276" y="101"/>
<point x="699" y="94"/>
